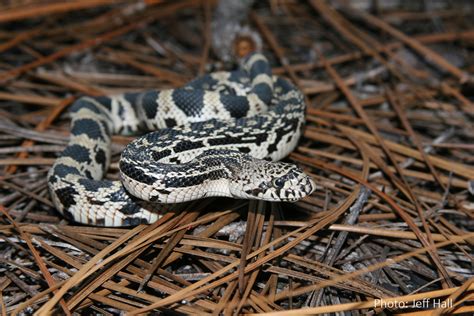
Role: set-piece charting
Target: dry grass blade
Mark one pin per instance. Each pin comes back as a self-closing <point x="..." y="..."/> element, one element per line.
<point x="24" y="12"/>
<point x="373" y="304"/>
<point x="430" y="54"/>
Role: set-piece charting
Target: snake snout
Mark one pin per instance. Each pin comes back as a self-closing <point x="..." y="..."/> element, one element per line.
<point x="273" y="181"/>
<point x="297" y="185"/>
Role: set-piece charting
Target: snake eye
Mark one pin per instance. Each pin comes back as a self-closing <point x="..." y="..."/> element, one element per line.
<point x="278" y="182"/>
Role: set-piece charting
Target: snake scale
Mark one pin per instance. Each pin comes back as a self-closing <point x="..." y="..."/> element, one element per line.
<point x="220" y="135"/>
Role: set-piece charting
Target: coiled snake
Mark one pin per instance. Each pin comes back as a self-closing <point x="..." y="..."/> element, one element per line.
<point x="220" y="135"/>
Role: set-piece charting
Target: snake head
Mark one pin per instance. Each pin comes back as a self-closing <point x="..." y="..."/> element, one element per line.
<point x="271" y="181"/>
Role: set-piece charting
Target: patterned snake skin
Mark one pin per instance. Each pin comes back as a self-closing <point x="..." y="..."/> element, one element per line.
<point x="220" y="135"/>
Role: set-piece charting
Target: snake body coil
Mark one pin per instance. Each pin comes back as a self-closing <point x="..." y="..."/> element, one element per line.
<point x="220" y="135"/>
